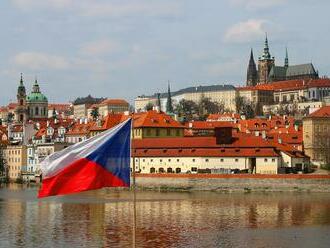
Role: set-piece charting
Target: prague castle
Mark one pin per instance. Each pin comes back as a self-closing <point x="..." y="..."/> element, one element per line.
<point x="268" y="72"/>
<point x="32" y="106"/>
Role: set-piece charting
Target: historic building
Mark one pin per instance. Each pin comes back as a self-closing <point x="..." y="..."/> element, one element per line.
<point x="316" y="135"/>
<point x="220" y="93"/>
<point x="269" y="72"/>
<point x="33" y="106"/>
<point x="37" y="103"/>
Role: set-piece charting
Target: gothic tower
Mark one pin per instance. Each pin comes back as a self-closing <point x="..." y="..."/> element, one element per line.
<point x="21" y="109"/>
<point x="265" y="63"/>
<point x="252" y="74"/>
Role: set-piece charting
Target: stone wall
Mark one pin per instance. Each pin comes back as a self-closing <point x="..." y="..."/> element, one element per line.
<point x="232" y="183"/>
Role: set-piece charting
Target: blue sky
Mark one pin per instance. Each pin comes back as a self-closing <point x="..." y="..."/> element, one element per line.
<point x="125" y="48"/>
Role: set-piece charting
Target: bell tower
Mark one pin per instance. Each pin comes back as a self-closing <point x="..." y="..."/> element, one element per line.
<point x="265" y="63"/>
<point x="21" y="109"/>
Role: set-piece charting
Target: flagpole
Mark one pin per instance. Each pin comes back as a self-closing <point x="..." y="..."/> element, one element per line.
<point x="133" y="185"/>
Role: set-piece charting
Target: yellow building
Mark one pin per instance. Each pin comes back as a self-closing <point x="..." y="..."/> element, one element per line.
<point x="316" y="136"/>
<point x="16" y="158"/>
<point x="156" y="124"/>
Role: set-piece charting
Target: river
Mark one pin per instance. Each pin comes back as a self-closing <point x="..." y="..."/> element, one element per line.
<point x="104" y="218"/>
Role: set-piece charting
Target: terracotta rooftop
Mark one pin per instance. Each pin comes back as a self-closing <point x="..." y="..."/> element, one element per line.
<point x="153" y="118"/>
<point x="323" y="112"/>
<point x="290" y="85"/>
<point x="114" y="102"/>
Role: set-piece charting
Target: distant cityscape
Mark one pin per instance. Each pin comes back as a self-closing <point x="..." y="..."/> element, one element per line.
<point x="278" y="123"/>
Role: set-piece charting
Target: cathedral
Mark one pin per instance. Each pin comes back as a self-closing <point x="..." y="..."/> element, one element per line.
<point x="268" y="72"/>
<point x="32" y="106"/>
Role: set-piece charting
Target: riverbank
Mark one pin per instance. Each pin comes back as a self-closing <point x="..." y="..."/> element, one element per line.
<point x="229" y="182"/>
<point x="234" y="182"/>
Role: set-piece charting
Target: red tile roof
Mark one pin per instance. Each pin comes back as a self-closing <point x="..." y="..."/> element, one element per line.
<point x="206" y="152"/>
<point x="114" y="102"/>
<point x="155" y="119"/>
<point x="323" y="112"/>
<point x="80" y="129"/>
<point x="108" y="122"/>
<point x="290" y="85"/>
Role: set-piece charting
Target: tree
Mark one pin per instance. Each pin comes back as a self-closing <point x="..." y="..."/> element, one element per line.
<point x="206" y="106"/>
<point x="10" y="117"/>
<point x="149" y="106"/>
<point x="3" y="164"/>
<point x="239" y="102"/>
<point x="186" y="109"/>
<point x="54" y="114"/>
<point x="95" y="113"/>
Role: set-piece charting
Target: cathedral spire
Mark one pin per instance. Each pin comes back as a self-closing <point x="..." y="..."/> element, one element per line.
<point x="286" y="61"/>
<point x="266" y="54"/>
<point x="252" y="74"/>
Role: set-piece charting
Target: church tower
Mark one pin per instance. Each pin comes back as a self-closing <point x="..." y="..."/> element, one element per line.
<point x="21" y="109"/>
<point x="252" y="74"/>
<point x="265" y="63"/>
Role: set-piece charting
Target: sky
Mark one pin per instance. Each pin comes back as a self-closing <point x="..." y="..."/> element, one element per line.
<point x="127" y="48"/>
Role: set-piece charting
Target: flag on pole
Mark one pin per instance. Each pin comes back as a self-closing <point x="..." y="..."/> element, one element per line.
<point x="101" y="161"/>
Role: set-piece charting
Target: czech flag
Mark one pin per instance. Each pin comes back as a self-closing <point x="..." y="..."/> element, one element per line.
<point x="101" y="161"/>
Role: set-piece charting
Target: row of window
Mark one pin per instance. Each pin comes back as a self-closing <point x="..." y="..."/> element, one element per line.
<point x="14" y="152"/>
<point x="194" y="160"/>
<point x="16" y="160"/>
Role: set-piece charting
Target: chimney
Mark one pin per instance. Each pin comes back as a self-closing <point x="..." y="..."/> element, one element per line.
<point x="224" y="135"/>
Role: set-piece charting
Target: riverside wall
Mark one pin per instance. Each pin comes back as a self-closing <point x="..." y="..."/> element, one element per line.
<point x="233" y="182"/>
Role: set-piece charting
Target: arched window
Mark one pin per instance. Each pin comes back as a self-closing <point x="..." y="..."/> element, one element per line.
<point x="152" y="170"/>
<point x="169" y="170"/>
<point x="178" y="170"/>
<point x="36" y="111"/>
<point x="21" y="102"/>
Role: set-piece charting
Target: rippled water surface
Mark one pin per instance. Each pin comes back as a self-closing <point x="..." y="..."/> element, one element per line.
<point x="104" y="218"/>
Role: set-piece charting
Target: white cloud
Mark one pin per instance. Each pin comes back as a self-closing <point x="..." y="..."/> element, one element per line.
<point x="100" y="47"/>
<point x="257" y="4"/>
<point x="36" y="61"/>
<point x="245" y="31"/>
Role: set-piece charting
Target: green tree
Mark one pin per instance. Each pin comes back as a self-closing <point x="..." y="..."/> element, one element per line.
<point x="186" y="109"/>
<point x="54" y="114"/>
<point x="95" y="113"/>
<point x="149" y="106"/>
<point x="206" y="106"/>
<point x="239" y="102"/>
<point x="3" y="164"/>
<point x="10" y="117"/>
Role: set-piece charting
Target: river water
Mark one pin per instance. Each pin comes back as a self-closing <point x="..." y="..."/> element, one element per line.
<point x="104" y="218"/>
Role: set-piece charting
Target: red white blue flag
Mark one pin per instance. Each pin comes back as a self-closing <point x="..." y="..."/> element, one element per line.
<point x="101" y="161"/>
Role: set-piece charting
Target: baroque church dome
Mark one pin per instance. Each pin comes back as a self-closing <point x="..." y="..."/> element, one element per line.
<point x="36" y="96"/>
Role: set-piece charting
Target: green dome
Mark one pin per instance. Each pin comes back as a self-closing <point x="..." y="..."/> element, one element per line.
<point x="36" y="97"/>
